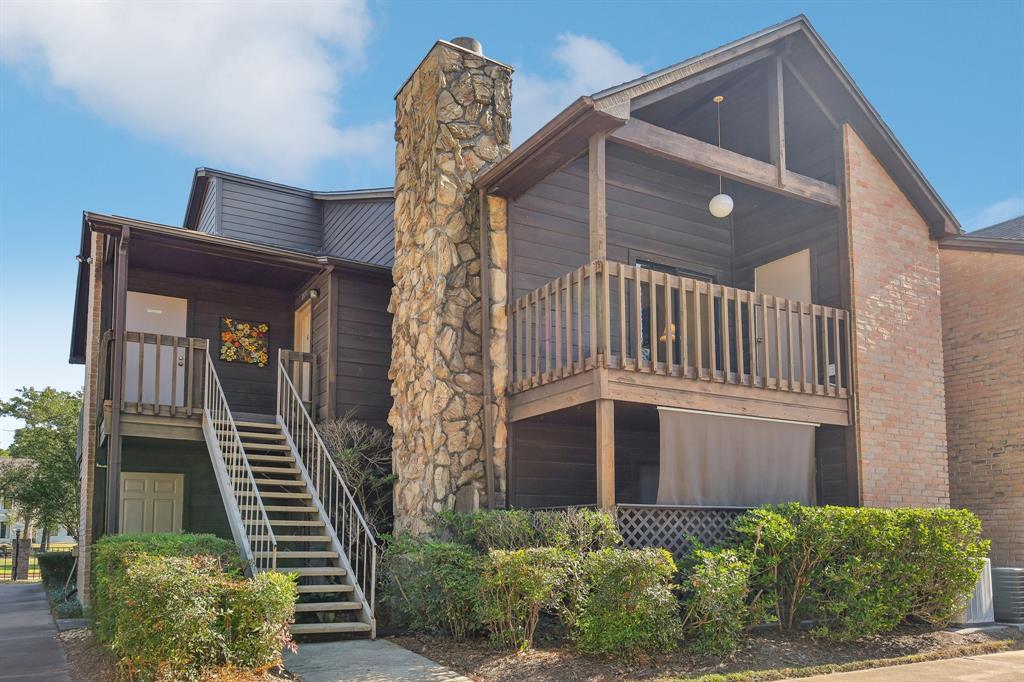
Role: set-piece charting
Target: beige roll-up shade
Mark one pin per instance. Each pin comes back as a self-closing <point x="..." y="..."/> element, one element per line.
<point x="712" y="460"/>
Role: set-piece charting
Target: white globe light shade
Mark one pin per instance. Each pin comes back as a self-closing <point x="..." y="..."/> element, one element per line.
<point x="720" y="205"/>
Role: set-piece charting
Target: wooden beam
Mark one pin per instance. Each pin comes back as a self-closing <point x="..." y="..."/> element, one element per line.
<point x="810" y="93"/>
<point x="598" y="193"/>
<point x="777" y="123"/>
<point x="605" y="454"/>
<point x="700" y="78"/>
<point x="117" y="383"/>
<point x="712" y="159"/>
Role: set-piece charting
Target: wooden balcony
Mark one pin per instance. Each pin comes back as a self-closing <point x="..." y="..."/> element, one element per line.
<point x="615" y="331"/>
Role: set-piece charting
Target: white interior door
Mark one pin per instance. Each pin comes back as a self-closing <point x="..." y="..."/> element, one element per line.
<point x="788" y="277"/>
<point x="153" y="314"/>
<point x="303" y="342"/>
<point x="151" y="503"/>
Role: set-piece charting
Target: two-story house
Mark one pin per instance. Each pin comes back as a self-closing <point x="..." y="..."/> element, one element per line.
<point x="712" y="287"/>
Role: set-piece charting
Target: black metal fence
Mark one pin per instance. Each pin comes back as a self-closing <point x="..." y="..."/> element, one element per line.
<point x="9" y="558"/>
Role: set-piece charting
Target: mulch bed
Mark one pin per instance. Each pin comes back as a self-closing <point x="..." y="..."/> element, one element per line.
<point x="762" y="651"/>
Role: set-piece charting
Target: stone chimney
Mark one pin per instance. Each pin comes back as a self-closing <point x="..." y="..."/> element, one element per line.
<point x="451" y="121"/>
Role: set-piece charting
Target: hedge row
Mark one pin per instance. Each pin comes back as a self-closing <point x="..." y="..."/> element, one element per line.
<point x="174" y="606"/>
<point x="851" y="572"/>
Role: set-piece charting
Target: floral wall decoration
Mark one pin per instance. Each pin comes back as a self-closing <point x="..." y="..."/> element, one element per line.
<point x="243" y="341"/>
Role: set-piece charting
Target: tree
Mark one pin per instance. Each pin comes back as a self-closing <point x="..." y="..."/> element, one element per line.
<point x="39" y="476"/>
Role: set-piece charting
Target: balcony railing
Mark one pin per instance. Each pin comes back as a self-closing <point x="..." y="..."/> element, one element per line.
<point x="608" y="314"/>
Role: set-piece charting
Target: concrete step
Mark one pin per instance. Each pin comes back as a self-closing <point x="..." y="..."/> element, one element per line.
<point x="322" y="589"/>
<point x="324" y="628"/>
<point x="317" y="570"/>
<point x="313" y="606"/>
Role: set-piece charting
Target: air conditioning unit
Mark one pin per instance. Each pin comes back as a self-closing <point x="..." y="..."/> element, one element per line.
<point x="1008" y="594"/>
<point x="979" y="608"/>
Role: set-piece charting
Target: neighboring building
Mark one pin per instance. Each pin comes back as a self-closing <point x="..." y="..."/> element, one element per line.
<point x="10" y="525"/>
<point x="983" y="334"/>
<point x="570" y="323"/>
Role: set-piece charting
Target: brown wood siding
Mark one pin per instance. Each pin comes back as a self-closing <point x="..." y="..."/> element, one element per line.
<point x="363" y="346"/>
<point x="248" y="388"/>
<point x="319" y="343"/>
<point x="656" y="211"/>
<point x="360" y="230"/>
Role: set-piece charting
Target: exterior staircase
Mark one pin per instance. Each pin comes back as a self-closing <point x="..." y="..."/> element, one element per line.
<point x="290" y="510"/>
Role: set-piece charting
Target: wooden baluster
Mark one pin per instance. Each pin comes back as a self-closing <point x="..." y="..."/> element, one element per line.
<point x="814" y="348"/>
<point x="652" y="318"/>
<point x="527" y="368"/>
<point x="156" y="381"/>
<point x="547" y="333"/>
<point x="684" y="351"/>
<point x="838" y="353"/>
<point x="778" y="342"/>
<point x="765" y="345"/>
<point x="558" y="329"/>
<point x="669" y="326"/>
<point x="752" y="338"/>
<point x="579" y="320"/>
<point x="801" y="345"/>
<point x="790" y="346"/>
<point x="726" y="359"/>
<point x="638" y="318"/>
<point x="697" y="322"/>
<point x="174" y="376"/>
<point x="517" y="347"/>
<point x="142" y="355"/>
<point x="622" y="315"/>
<point x="568" y="324"/>
<point x="605" y="313"/>
<point x="712" y="334"/>
<point x="738" y="335"/>
<point x="593" y="340"/>
<point x="848" y="345"/>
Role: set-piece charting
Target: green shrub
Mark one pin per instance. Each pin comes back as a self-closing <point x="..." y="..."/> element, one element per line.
<point x="575" y="529"/>
<point x="715" y="600"/>
<point x="175" y="617"/>
<point x="255" y="616"/>
<point x="55" y="567"/>
<point x="861" y="571"/>
<point x="433" y="586"/>
<point x="629" y="609"/>
<point x="515" y="586"/>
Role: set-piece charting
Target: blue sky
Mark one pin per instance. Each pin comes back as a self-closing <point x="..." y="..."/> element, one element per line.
<point x="111" y="111"/>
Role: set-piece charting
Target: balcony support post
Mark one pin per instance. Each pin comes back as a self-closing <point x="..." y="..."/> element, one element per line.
<point x="605" y="454"/>
<point x="117" y="383"/>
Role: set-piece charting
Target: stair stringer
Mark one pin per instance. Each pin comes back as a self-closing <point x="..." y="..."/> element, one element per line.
<point x="227" y="494"/>
<point x="365" y="614"/>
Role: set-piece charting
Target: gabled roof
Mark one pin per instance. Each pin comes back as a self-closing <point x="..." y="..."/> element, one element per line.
<point x="564" y="137"/>
<point x="1005" y="237"/>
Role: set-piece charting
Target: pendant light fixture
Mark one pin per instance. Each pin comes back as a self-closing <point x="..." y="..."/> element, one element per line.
<point x="721" y="204"/>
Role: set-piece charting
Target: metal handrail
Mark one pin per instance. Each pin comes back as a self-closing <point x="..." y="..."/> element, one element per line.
<point x="261" y="544"/>
<point x="347" y="521"/>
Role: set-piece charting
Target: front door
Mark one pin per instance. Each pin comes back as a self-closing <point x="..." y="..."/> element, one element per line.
<point x="788" y="277"/>
<point x="151" y="503"/>
<point x="303" y="341"/>
<point x="153" y="314"/>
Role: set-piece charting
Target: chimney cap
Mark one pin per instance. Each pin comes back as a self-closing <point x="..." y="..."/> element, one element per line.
<point x="468" y="43"/>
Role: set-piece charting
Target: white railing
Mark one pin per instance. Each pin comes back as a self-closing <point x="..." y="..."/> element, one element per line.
<point x="249" y="520"/>
<point x="346" y="524"/>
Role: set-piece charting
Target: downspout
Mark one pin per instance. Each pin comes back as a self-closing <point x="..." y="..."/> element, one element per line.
<point x="117" y="384"/>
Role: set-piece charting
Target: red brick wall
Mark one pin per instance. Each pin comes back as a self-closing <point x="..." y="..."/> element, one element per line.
<point x="983" y="332"/>
<point x="901" y="418"/>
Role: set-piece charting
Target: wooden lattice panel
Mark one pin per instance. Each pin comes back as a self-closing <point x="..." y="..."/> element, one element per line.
<point x="674" y="527"/>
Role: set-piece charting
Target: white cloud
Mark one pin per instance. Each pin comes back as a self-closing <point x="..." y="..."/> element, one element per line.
<point x="252" y="85"/>
<point x="997" y="212"/>
<point x="586" y="66"/>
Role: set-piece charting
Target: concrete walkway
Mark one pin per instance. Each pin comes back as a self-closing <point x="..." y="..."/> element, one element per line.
<point x="1004" y="667"/>
<point x="29" y="648"/>
<point x="364" y="660"/>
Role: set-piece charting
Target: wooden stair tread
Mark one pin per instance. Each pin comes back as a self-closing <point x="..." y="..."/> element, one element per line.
<point x="313" y="539"/>
<point x="284" y="482"/>
<point x="285" y="496"/>
<point x="267" y="435"/>
<point x="322" y="589"/>
<point x="271" y="470"/>
<point x="299" y="554"/>
<point x="271" y="458"/>
<point x="313" y="606"/>
<point x="258" y="425"/>
<point x="315" y="570"/>
<point x="282" y="508"/>
<point x="249" y="445"/>
<point x="321" y="628"/>
<point x="292" y="522"/>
